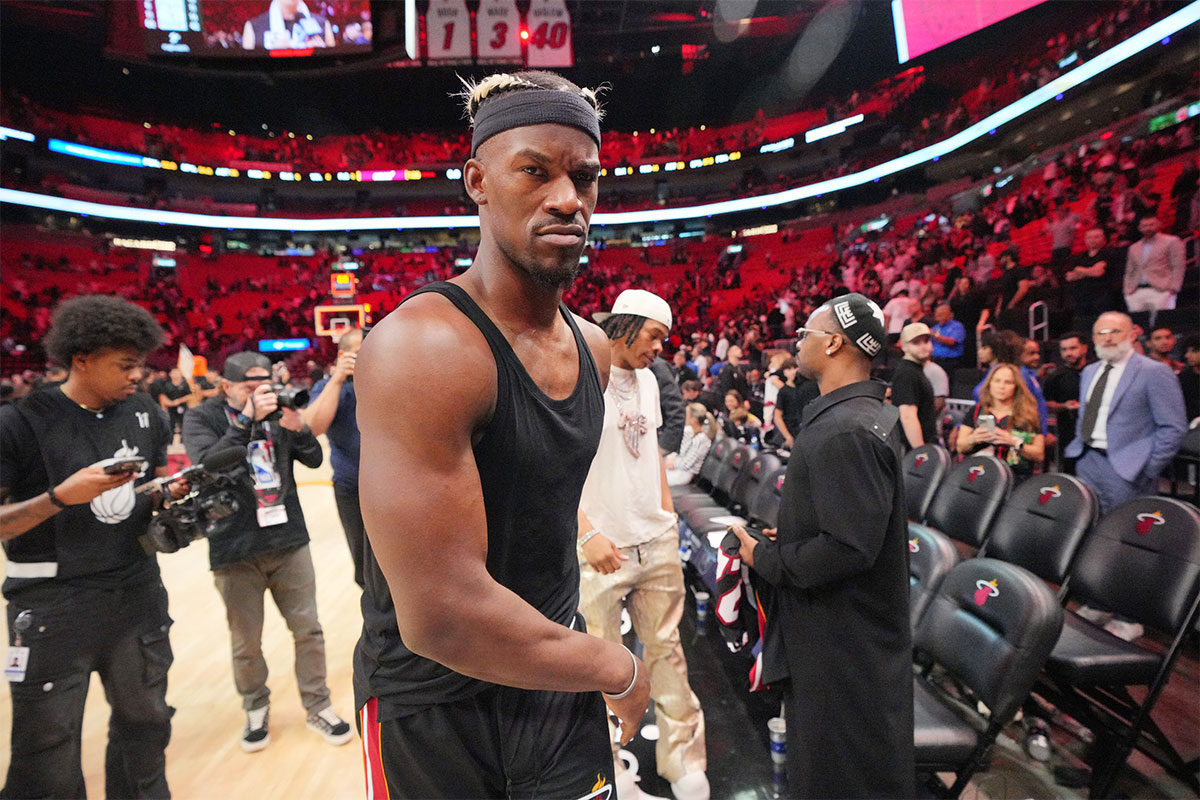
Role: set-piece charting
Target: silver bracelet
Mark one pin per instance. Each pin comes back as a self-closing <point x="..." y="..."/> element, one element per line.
<point x="587" y="537"/>
<point x="632" y="682"/>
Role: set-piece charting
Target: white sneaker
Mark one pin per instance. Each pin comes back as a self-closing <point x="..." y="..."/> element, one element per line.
<point x="1096" y="616"/>
<point x="693" y="786"/>
<point x="627" y="788"/>
<point x="255" y="736"/>
<point x="330" y="726"/>
<point x="1125" y="630"/>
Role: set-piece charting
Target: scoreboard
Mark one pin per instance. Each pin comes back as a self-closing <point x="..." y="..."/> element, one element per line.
<point x="497" y="34"/>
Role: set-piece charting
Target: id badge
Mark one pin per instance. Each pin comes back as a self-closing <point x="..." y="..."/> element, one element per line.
<point x="15" y="663"/>
<point x="260" y="454"/>
<point x="271" y="515"/>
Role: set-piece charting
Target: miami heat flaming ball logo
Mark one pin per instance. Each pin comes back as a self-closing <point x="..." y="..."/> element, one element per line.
<point x="973" y="473"/>
<point x="1048" y="493"/>
<point x="921" y="459"/>
<point x="986" y="589"/>
<point x="1146" y="521"/>
<point x="914" y="545"/>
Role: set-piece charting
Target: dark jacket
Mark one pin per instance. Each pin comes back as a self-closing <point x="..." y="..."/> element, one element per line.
<point x="838" y="622"/>
<point x="670" y="401"/>
<point x="207" y="428"/>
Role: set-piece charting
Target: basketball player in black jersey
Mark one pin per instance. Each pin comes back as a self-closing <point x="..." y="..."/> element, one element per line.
<point x="473" y="675"/>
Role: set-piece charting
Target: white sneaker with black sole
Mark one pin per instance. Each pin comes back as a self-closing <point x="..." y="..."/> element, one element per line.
<point x="333" y="729"/>
<point x="255" y="737"/>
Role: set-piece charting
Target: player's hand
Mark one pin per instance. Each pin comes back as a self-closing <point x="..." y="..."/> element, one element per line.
<point x="262" y="403"/>
<point x="1072" y="405"/>
<point x="290" y="418"/>
<point x="771" y="533"/>
<point x="602" y="555"/>
<point x="632" y="708"/>
<point x="748" y="544"/>
<point x="344" y="368"/>
<point x="89" y="483"/>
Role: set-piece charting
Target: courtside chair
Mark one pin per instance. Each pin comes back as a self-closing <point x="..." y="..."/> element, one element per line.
<point x="1142" y="561"/>
<point x="924" y="469"/>
<point x="987" y="633"/>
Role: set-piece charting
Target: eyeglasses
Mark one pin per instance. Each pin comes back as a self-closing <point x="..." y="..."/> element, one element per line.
<point x="804" y="332"/>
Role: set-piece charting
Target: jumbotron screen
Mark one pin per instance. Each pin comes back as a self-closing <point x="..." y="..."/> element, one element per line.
<point x="256" y="28"/>
<point x="924" y="25"/>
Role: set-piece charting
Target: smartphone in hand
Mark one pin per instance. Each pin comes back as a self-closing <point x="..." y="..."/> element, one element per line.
<point x="124" y="465"/>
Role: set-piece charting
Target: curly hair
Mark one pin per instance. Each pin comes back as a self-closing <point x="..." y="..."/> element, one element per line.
<point x="90" y="323"/>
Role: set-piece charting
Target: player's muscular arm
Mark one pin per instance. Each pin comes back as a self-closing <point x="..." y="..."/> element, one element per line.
<point x="422" y="502"/>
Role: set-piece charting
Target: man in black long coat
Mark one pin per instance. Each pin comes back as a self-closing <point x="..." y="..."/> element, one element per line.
<point x="837" y="636"/>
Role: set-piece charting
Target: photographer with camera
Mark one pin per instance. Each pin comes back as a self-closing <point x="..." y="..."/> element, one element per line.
<point x="332" y="410"/>
<point x="263" y="545"/>
<point x="83" y="596"/>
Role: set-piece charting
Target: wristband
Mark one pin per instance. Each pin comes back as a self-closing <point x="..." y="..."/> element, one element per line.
<point x="54" y="499"/>
<point x="587" y="537"/>
<point x="632" y="681"/>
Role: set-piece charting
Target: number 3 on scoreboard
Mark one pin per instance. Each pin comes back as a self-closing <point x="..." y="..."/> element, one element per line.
<point x="500" y="35"/>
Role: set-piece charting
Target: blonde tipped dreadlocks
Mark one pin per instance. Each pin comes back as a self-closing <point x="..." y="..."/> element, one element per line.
<point x="475" y="92"/>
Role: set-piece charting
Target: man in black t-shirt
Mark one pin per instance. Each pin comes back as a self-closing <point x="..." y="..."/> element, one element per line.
<point x="911" y="391"/>
<point x="173" y="395"/>
<point x="1090" y="277"/>
<point x="83" y="596"/>
<point x="1061" y="388"/>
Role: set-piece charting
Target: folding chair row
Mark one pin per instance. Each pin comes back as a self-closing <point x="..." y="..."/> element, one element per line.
<point x="1140" y="561"/>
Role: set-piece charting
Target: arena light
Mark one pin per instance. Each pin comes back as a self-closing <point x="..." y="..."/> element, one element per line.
<point x="13" y="133"/>
<point x="1149" y="37"/>
<point x="283" y="345"/>
<point x="778" y="147"/>
<point x="832" y="129"/>
<point x="95" y="153"/>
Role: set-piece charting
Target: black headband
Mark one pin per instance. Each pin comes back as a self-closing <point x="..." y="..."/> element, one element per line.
<point x="533" y="107"/>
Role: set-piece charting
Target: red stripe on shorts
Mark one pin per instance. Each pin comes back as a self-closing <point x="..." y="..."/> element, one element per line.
<point x="376" y="782"/>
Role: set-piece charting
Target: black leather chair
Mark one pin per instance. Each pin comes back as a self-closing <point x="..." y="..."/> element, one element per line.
<point x="742" y="494"/>
<point x="710" y="470"/>
<point x="1142" y="562"/>
<point x="990" y="628"/>
<point x="924" y="469"/>
<point x="731" y="468"/>
<point x="746" y="490"/>
<point x="764" y="510"/>
<point x="1042" y="524"/>
<point x="968" y="498"/>
<point x="931" y="555"/>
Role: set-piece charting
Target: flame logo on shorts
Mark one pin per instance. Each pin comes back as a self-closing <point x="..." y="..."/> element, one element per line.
<point x="914" y="545"/>
<point x="1148" y="520"/>
<point x="985" y="589"/>
<point x="921" y="459"/>
<point x="1047" y="493"/>
<point x="601" y="789"/>
<point x="973" y="473"/>
<point x="779" y="483"/>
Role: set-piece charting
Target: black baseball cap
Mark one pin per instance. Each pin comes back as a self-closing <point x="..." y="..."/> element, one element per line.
<point x="862" y="320"/>
<point x="238" y="364"/>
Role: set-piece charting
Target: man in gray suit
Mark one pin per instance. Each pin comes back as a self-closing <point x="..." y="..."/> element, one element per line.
<point x="1153" y="268"/>
<point x="1132" y="416"/>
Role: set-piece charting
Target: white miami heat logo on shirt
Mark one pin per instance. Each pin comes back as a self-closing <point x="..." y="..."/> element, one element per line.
<point x="117" y="504"/>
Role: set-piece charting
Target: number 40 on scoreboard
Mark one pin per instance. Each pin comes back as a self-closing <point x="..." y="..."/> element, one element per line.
<point x="501" y="36"/>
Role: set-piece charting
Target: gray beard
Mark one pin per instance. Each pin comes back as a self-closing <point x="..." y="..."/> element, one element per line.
<point x="1111" y="354"/>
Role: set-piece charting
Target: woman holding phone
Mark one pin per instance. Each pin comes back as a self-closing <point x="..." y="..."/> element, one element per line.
<point x="1005" y="423"/>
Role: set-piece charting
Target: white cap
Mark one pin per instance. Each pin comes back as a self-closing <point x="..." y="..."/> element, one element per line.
<point x="640" y="303"/>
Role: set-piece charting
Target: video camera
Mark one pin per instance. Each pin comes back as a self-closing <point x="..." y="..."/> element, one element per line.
<point x="211" y="499"/>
